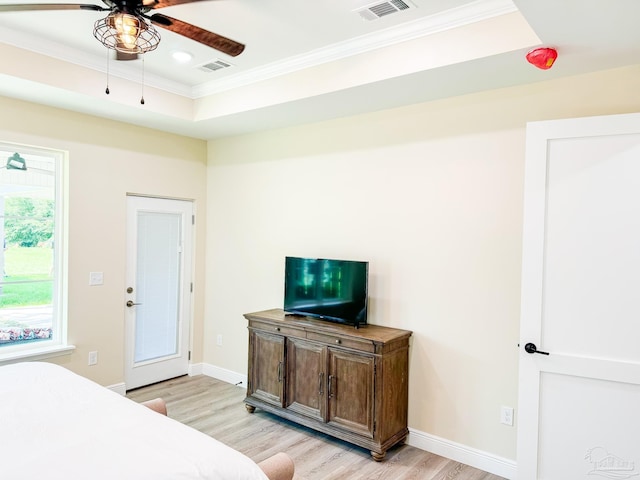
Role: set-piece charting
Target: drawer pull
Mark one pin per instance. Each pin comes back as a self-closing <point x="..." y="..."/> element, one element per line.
<point x="277" y="329"/>
<point x="338" y="341"/>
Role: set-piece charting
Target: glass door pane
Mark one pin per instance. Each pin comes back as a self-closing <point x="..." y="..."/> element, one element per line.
<point x="157" y="282"/>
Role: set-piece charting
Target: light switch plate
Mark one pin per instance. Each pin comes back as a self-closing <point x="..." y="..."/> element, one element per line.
<point x="95" y="278"/>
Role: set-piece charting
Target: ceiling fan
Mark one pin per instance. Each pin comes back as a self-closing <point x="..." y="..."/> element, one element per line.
<point x="128" y="29"/>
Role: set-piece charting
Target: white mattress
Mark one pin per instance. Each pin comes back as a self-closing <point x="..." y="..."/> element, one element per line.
<point x="55" y="424"/>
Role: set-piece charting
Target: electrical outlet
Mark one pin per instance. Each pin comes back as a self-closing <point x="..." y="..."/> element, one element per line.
<point x="219" y="340"/>
<point x="506" y="416"/>
<point x="93" y="358"/>
<point x="96" y="278"/>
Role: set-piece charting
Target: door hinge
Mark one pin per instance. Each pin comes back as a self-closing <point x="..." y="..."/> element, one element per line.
<point x="189" y="356"/>
<point x="375" y="424"/>
<point x="193" y="219"/>
<point x="191" y="287"/>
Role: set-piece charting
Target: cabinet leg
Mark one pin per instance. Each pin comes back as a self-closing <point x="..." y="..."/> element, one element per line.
<point x="250" y="408"/>
<point x="378" y="457"/>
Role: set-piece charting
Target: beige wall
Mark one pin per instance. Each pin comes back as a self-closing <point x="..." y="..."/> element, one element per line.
<point x="431" y="195"/>
<point x="107" y="160"/>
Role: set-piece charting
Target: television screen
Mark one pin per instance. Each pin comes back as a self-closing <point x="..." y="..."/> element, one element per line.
<point x="334" y="290"/>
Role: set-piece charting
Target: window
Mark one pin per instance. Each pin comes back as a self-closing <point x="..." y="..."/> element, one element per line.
<point x="33" y="259"/>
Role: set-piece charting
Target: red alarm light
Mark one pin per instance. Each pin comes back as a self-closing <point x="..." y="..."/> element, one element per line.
<point x="542" y="57"/>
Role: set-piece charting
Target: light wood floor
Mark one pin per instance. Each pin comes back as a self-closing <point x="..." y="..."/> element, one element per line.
<point x="217" y="409"/>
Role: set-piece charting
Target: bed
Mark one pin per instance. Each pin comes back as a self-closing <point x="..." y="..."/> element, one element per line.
<point x="55" y="424"/>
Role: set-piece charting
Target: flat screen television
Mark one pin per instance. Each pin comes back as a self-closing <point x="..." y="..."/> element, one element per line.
<point x="333" y="290"/>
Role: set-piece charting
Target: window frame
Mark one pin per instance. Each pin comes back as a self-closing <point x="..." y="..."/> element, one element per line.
<point x="58" y="344"/>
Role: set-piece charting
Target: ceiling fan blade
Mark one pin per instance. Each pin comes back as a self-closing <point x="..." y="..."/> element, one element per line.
<point x="213" y="40"/>
<point x="50" y="6"/>
<point x="153" y="4"/>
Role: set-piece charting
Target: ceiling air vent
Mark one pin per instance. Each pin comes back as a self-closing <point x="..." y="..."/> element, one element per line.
<point x="214" y="66"/>
<point x="382" y="9"/>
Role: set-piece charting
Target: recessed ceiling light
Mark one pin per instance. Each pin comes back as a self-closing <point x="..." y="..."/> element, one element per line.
<point x="182" y="57"/>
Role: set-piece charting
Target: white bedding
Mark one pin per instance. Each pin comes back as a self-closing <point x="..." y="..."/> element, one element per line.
<point x="55" y="424"/>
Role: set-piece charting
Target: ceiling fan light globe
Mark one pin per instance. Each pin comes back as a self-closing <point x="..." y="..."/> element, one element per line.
<point x="127" y="26"/>
<point x="128" y="41"/>
<point x="127" y="29"/>
<point x="126" y="33"/>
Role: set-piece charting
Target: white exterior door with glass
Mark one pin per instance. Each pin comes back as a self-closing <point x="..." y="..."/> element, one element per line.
<point x="158" y="296"/>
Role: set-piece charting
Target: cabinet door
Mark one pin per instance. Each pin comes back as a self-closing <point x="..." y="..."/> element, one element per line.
<point x="350" y="391"/>
<point x="306" y="390"/>
<point x="267" y="367"/>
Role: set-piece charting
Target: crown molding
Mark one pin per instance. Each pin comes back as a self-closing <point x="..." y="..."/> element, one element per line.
<point x="447" y="20"/>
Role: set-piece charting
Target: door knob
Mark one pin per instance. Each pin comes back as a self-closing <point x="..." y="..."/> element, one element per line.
<point x="531" y="348"/>
<point x="130" y="303"/>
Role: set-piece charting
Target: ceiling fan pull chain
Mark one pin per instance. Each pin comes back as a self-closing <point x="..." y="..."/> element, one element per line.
<point x="142" y="96"/>
<point x="107" y="89"/>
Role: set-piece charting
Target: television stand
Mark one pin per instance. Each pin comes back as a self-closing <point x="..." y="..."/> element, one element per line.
<point x="350" y="383"/>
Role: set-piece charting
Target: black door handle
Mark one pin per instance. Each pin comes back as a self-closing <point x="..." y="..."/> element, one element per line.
<point x="531" y="348"/>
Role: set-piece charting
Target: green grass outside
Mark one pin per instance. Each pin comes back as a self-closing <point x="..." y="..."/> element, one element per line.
<point x="27" y="264"/>
<point x="21" y="261"/>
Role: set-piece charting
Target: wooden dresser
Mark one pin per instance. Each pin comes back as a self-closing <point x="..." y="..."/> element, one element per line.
<point x="346" y="382"/>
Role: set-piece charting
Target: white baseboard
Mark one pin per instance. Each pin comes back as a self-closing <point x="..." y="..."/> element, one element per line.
<point x="224" y="375"/>
<point x="424" y="441"/>
<point x="461" y="453"/>
<point x="119" y="388"/>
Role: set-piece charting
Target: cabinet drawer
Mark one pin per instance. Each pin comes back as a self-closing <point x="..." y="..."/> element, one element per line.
<point x="362" y="345"/>
<point x="277" y="329"/>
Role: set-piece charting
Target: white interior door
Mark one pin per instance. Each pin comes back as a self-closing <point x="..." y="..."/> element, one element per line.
<point x="158" y="297"/>
<point x="580" y="404"/>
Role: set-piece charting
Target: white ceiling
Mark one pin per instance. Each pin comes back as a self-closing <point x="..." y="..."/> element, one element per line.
<point x="307" y="62"/>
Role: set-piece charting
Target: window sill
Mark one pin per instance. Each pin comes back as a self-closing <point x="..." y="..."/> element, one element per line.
<point x="36" y="354"/>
